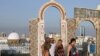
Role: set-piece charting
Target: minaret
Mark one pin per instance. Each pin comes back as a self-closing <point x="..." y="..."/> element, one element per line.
<point x="82" y="31"/>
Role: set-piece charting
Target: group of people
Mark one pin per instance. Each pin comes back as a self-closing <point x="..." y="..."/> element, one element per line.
<point x="50" y="48"/>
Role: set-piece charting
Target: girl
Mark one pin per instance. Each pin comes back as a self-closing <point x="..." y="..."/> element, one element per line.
<point x="59" y="50"/>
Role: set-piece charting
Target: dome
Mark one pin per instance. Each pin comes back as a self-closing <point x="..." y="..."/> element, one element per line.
<point x="13" y="35"/>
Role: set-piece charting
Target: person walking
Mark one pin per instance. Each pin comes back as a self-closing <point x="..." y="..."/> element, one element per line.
<point x="45" y="47"/>
<point x="72" y="51"/>
<point x="59" y="50"/>
<point x="91" y="48"/>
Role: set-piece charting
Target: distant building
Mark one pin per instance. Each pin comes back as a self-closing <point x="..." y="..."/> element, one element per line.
<point x="14" y="44"/>
<point x="55" y="36"/>
<point x="2" y="34"/>
<point x="85" y="39"/>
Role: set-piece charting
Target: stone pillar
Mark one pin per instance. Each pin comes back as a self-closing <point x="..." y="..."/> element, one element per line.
<point x="71" y="25"/>
<point x="33" y="34"/>
<point x="63" y="32"/>
<point x="41" y="39"/>
<point x="98" y="40"/>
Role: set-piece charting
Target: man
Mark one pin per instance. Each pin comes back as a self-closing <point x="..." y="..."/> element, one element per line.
<point x="91" y="48"/>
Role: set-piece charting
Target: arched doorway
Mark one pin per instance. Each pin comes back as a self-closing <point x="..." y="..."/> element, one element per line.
<point x="37" y="27"/>
<point x="62" y="20"/>
<point x="86" y="36"/>
<point x="95" y="23"/>
<point x="41" y="23"/>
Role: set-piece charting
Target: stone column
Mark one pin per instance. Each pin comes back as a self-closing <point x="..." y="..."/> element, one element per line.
<point x="41" y="39"/>
<point x="98" y="41"/>
<point x="63" y="32"/>
<point x="33" y="34"/>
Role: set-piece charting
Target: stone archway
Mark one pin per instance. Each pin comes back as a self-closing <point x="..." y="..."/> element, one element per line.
<point x="84" y="14"/>
<point x="54" y="4"/>
<point x="37" y="27"/>
<point x="63" y="19"/>
<point x="95" y="23"/>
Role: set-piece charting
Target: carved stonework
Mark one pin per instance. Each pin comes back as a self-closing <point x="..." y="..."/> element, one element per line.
<point x="33" y="34"/>
<point x="62" y="13"/>
<point x="71" y="27"/>
<point x="37" y="32"/>
<point x="98" y="38"/>
<point x="95" y="22"/>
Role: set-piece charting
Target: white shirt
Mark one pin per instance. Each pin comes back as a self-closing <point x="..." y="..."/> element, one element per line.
<point x="52" y="49"/>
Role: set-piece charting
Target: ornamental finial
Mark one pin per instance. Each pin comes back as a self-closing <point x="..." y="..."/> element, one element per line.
<point x="52" y="0"/>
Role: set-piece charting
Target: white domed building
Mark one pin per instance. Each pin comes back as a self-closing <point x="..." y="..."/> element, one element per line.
<point x="14" y="45"/>
<point x="13" y="38"/>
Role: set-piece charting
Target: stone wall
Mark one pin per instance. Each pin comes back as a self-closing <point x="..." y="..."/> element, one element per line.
<point x="33" y="34"/>
<point x="98" y="39"/>
<point x="71" y="27"/>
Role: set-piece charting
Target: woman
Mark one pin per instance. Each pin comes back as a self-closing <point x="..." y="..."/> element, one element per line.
<point x="72" y="51"/>
<point x="45" y="47"/>
<point x="59" y="50"/>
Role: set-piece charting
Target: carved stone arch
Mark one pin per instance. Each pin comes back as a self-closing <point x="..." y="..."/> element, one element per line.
<point x="62" y="21"/>
<point x="54" y="4"/>
<point x="95" y="22"/>
<point x="92" y="20"/>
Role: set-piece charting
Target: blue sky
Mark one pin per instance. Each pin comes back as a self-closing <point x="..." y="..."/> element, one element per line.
<point x="15" y="14"/>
